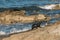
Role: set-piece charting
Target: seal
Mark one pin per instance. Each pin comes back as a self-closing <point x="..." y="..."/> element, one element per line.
<point x="38" y="24"/>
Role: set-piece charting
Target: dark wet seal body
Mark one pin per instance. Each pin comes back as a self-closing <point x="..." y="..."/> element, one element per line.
<point x="37" y="24"/>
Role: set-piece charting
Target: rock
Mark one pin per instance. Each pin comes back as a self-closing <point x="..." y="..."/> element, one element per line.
<point x="11" y="18"/>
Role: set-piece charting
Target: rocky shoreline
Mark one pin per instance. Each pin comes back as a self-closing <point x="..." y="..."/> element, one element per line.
<point x="48" y="33"/>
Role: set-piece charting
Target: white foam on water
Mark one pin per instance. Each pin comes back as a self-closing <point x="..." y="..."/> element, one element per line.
<point x="43" y="25"/>
<point x="47" y="6"/>
<point x="14" y="30"/>
<point x="2" y="33"/>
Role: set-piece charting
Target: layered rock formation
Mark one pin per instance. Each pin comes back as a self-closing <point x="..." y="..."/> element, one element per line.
<point x="19" y="16"/>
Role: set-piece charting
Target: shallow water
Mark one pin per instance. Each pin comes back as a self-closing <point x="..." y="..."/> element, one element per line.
<point x="18" y="27"/>
<point x="13" y="28"/>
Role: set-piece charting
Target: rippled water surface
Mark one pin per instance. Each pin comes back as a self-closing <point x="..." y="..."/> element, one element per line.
<point x="13" y="28"/>
<point x="21" y="3"/>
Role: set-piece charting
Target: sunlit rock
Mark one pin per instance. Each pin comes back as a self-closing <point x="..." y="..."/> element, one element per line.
<point x="10" y="18"/>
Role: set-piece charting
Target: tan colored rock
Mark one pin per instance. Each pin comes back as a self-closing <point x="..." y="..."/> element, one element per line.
<point x="10" y="16"/>
<point x="57" y="7"/>
<point x="22" y="19"/>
